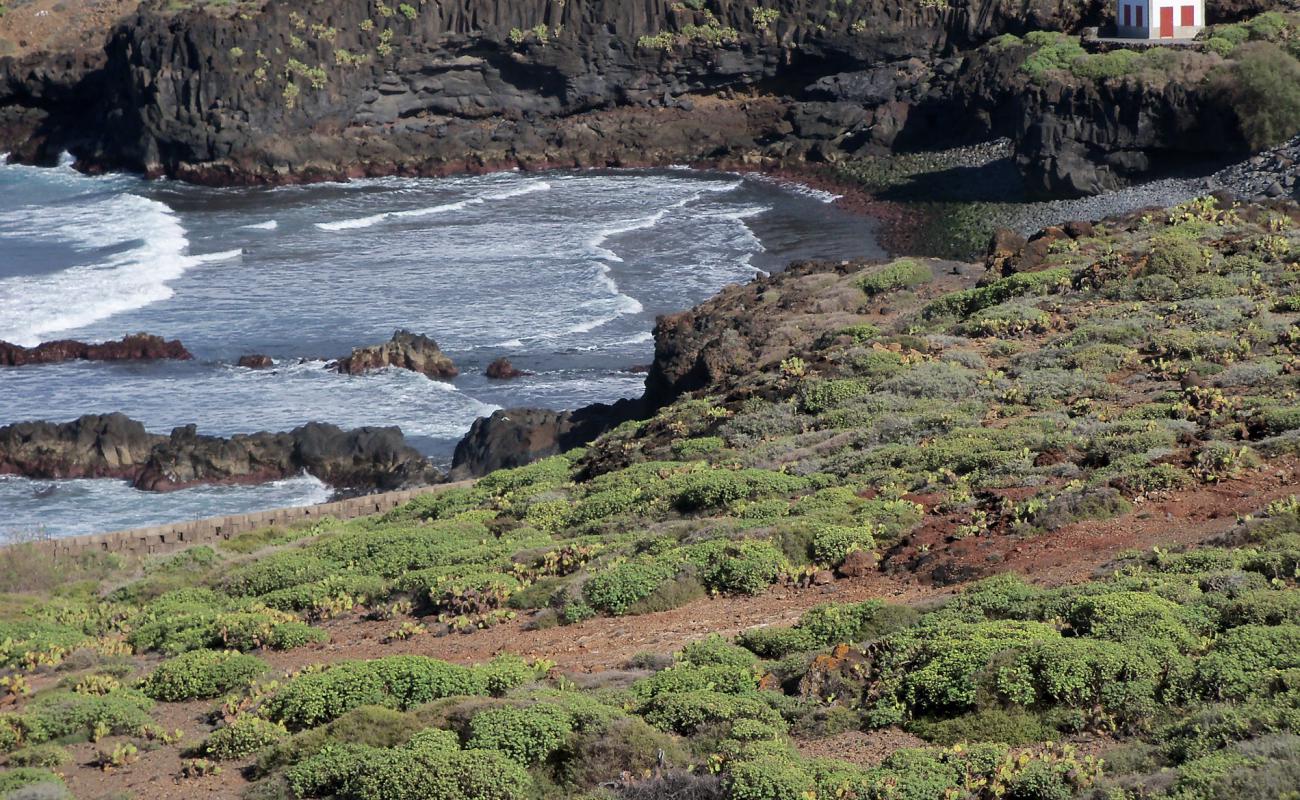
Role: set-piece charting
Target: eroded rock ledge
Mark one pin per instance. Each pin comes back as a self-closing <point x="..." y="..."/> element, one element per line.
<point x="115" y="446"/>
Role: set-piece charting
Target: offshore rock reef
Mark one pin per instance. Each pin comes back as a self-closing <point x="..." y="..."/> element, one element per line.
<point x="114" y="446"/>
<point x="348" y="88"/>
<point x="136" y="347"/>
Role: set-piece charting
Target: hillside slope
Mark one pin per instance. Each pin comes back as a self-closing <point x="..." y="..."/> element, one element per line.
<point x="1108" y="410"/>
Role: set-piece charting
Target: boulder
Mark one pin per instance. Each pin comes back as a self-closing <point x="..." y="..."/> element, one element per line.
<point x="405" y="350"/>
<point x="136" y="347"/>
<point x="255" y="361"/>
<point x="502" y="369"/>
<point x="1004" y="248"/>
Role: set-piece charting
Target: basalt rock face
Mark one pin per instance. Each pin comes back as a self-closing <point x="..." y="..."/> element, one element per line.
<point x="354" y="87"/>
<point x="1082" y="137"/>
<point x="114" y="446"/>
<point x="137" y="347"/>
<point x="405" y="350"/>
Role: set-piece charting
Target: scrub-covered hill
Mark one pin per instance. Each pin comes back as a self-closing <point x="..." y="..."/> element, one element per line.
<point x="1094" y="435"/>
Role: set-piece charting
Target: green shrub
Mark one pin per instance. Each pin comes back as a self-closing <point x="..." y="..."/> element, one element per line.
<point x="768" y="779"/>
<point x="1130" y="617"/>
<point x="241" y="737"/>
<point x="687" y="712"/>
<point x="61" y="714"/>
<point x="527" y="735"/>
<point x="716" y="488"/>
<point x="726" y="679"/>
<point x="744" y="567"/>
<point x="1119" y="679"/>
<point x="1263" y="607"/>
<point x="398" y="682"/>
<point x="1252" y="660"/>
<point x="202" y="674"/>
<point x="902" y="274"/>
<point x="1010" y="727"/>
<point x="505" y="672"/>
<point x="15" y="779"/>
<point x="1263" y="87"/>
<point x="778" y="641"/>
<point x="275" y="572"/>
<point x="617" y="589"/>
<point x="21" y="637"/>
<point x="48" y="756"/>
<point x="833" y="543"/>
<point x="1176" y="257"/>
<point x="423" y="771"/>
<point x="963" y="304"/>
<point x="818" y="396"/>
<point x="715" y="650"/>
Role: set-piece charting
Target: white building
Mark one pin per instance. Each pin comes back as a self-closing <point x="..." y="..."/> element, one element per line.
<point x="1159" y="19"/>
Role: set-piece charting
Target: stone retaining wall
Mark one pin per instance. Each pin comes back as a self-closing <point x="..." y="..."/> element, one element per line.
<point x="165" y="538"/>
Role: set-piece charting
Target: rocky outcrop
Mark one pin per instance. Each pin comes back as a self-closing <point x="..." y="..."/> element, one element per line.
<point x="1082" y="137"/>
<point x="501" y="369"/>
<point x="517" y="436"/>
<point x="405" y="350"/>
<point x="714" y="345"/>
<point x="115" y="446"/>
<point x="742" y="328"/>
<point x="137" y="347"/>
<point x="94" y="446"/>
<point x="255" y="361"/>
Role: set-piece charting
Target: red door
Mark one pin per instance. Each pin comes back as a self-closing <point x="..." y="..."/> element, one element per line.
<point x="1138" y="10"/>
<point x="1128" y="15"/>
<point x="1166" y="23"/>
<point x="1188" y="17"/>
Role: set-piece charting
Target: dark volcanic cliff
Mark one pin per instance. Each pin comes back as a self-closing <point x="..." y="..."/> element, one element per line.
<point x="346" y="87"/>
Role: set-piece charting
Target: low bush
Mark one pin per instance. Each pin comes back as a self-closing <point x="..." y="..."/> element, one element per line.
<point x="526" y="735"/>
<point x="1263" y="87"/>
<point x="905" y="273"/>
<point x="202" y="674"/>
<point x="241" y="737"/>
<point x="1011" y="727"/>
<point x="744" y="567"/>
<point x="714" y="650"/>
<point x="686" y="712"/>
<point x="425" y="770"/>
<point x="401" y="682"/>
<point x="616" y="589"/>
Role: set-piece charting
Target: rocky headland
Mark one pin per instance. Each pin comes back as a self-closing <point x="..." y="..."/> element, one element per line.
<point x="115" y="446"/>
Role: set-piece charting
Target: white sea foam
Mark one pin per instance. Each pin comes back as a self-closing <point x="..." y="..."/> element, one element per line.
<point x="269" y="225"/>
<point x="445" y="208"/>
<point x="151" y="252"/>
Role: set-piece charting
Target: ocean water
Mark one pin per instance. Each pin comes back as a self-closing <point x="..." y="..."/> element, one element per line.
<point x="564" y="273"/>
